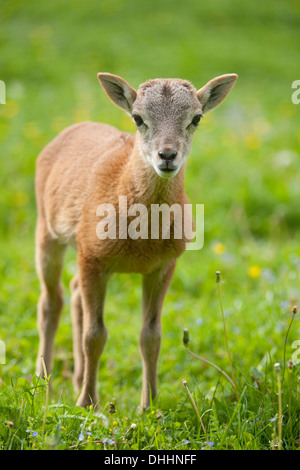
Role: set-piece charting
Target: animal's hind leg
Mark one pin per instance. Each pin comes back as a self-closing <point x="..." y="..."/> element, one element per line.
<point x="49" y="260"/>
<point x="77" y="315"/>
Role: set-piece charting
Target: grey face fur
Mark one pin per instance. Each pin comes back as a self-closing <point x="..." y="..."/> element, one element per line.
<point x="167" y="109"/>
<point x="166" y="112"/>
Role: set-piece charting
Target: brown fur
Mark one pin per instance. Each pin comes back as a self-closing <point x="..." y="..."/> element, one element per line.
<point x="87" y="165"/>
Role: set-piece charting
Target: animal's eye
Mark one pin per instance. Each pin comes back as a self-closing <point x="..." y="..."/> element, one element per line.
<point x="138" y="120"/>
<point x="196" y="119"/>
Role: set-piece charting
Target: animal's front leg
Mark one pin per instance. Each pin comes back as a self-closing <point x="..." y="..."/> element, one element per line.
<point x="155" y="286"/>
<point x="93" y="287"/>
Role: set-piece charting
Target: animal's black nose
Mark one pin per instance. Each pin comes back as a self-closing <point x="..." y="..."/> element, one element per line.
<point x="167" y="155"/>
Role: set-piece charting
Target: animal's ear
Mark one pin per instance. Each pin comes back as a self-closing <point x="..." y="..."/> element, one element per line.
<point x="213" y="93"/>
<point x="118" y="90"/>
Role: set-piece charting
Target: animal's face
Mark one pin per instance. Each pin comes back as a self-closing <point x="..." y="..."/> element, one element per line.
<point x="166" y="113"/>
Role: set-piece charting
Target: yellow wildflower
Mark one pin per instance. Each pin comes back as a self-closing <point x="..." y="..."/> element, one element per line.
<point x="218" y="248"/>
<point x="253" y="142"/>
<point x="31" y="130"/>
<point x="254" y="271"/>
<point x="20" y="198"/>
<point x="10" y="110"/>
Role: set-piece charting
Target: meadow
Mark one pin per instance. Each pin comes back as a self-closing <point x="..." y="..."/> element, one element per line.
<point x="244" y="167"/>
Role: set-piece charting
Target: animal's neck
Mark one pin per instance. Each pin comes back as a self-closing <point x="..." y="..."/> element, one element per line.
<point x="141" y="182"/>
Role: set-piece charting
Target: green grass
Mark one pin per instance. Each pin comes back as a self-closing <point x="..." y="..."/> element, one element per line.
<point x="244" y="167"/>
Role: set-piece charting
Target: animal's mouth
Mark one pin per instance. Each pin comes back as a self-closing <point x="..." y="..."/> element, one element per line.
<point x="167" y="167"/>
<point x="168" y="170"/>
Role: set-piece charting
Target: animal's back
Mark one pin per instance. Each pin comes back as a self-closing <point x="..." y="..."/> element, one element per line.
<point x="65" y="168"/>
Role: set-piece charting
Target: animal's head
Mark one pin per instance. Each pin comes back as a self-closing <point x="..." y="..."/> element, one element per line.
<point x="167" y="113"/>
